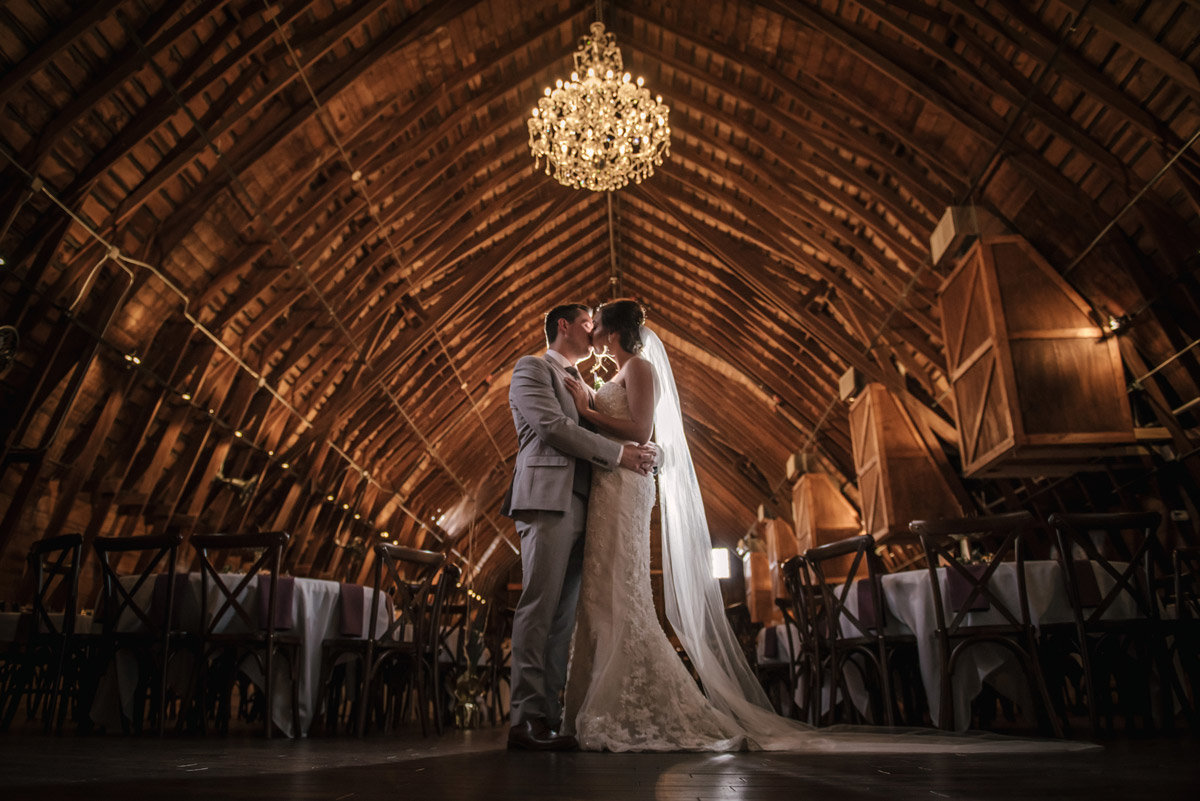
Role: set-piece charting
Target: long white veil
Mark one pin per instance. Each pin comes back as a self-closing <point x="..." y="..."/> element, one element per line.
<point x="693" y="599"/>
<point x="697" y="613"/>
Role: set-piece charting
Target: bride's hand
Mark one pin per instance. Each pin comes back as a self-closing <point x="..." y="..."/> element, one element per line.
<point x="579" y="393"/>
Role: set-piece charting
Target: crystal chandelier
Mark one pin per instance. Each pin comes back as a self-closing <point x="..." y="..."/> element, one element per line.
<point x="599" y="130"/>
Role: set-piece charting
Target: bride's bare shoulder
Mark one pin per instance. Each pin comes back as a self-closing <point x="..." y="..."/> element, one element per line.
<point x="643" y="372"/>
<point x="641" y="362"/>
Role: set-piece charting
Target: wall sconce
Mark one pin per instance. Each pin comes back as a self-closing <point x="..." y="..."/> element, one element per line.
<point x="850" y="384"/>
<point x="1118" y="324"/>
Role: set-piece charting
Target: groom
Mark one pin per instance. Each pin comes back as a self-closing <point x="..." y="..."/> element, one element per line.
<point x="548" y="501"/>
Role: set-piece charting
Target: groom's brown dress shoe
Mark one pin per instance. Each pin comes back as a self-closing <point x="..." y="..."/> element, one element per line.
<point x="536" y="735"/>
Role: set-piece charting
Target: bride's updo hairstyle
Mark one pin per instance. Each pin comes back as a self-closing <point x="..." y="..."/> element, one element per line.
<point x="624" y="317"/>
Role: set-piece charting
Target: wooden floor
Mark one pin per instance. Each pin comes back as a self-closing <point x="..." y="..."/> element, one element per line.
<point x="474" y="765"/>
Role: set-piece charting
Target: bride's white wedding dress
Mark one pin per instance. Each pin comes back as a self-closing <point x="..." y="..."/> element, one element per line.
<point x="627" y="689"/>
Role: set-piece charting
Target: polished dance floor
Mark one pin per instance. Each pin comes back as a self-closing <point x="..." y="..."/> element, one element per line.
<point x="474" y="765"/>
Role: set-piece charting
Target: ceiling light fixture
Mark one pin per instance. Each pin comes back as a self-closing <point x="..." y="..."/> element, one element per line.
<point x="599" y="130"/>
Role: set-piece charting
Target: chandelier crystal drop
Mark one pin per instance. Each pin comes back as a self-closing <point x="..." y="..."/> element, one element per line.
<point x="599" y="130"/>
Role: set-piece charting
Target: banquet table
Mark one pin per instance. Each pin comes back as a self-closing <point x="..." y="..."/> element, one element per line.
<point x="314" y="614"/>
<point x="908" y="597"/>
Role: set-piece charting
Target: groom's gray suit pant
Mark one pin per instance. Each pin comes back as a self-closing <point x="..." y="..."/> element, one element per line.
<point x="551" y="565"/>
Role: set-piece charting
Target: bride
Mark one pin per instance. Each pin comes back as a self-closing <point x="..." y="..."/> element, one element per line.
<point x="627" y="689"/>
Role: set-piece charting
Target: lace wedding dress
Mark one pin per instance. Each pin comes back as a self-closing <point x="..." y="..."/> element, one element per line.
<point x="627" y="689"/>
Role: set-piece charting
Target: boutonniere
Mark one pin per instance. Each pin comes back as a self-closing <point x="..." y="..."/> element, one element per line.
<point x="597" y="382"/>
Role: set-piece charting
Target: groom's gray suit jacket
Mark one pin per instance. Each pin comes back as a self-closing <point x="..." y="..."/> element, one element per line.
<point x="554" y="450"/>
<point x="548" y="498"/>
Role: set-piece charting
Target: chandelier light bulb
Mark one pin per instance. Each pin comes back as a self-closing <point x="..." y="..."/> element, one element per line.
<point x="599" y="133"/>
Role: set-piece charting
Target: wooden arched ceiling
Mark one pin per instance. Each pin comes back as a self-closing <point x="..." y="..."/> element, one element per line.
<point x="336" y="240"/>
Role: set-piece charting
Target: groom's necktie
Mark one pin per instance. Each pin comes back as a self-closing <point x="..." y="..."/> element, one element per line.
<point x="573" y="371"/>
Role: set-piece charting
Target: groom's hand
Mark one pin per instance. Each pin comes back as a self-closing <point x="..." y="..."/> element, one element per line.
<point x="638" y="458"/>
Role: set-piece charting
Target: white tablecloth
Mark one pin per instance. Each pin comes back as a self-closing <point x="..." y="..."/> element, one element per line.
<point x="780" y="634"/>
<point x="317" y="617"/>
<point x="910" y="610"/>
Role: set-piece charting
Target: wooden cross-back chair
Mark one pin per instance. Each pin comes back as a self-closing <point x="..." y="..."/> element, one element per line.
<point x="854" y="634"/>
<point x="1119" y="631"/>
<point x="43" y="664"/>
<point x="394" y="663"/>
<point x="993" y="541"/>
<point x="804" y="612"/>
<point x="231" y="632"/>
<point x="135" y="617"/>
<point x="438" y="639"/>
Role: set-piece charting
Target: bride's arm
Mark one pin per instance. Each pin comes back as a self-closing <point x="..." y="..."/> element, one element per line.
<point x="639" y="389"/>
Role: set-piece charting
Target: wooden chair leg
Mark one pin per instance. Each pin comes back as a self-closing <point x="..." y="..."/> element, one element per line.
<point x="1033" y="671"/>
<point x="295" y="660"/>
<point x="160" y="704"/>
<point x="945" y="718"/>
<point x="422" y="697"/>
<point x="364" y="701"/>
<point x="268" y="691"/>
<point x="53" y="692"/>
<point x="1089" y="687"/>
<point x="321" y="713"/>
<point x="885" y="681"/>
<point x="436" y="692"/>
